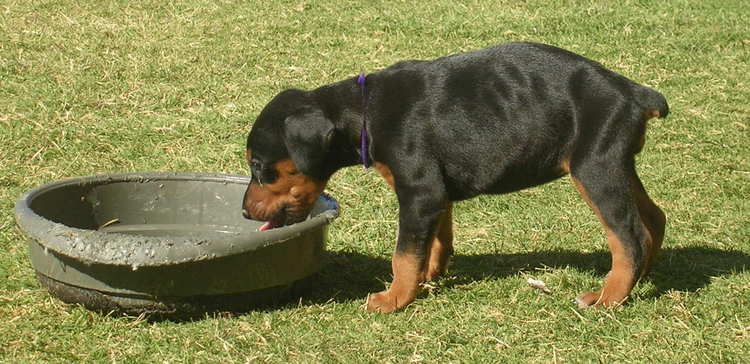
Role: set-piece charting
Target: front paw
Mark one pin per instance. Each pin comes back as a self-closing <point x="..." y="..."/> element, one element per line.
<point x="599" y="299"/>
<point x="587" y="299"/>
<point x="387" y="302"/>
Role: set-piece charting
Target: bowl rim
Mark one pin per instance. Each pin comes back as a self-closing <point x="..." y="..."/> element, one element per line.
<point x="158" y="250"/>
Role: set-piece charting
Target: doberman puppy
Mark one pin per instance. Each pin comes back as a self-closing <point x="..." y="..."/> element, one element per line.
<point x="491" y="121"/>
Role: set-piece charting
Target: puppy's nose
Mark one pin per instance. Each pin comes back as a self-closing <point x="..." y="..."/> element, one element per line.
<point x="246" y="214"/>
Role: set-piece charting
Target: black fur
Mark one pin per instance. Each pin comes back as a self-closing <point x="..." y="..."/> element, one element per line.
<point x="491" y="121"/>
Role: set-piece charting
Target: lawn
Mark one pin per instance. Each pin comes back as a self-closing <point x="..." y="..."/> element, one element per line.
<point x="117" y="86"/>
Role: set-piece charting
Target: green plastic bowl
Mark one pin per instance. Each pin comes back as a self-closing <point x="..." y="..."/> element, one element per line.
<point x="170" y="244"/>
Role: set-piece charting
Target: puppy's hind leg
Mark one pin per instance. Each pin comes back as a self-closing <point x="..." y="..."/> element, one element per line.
<point x="441" y="247"/>
<point x="606" y="187"/>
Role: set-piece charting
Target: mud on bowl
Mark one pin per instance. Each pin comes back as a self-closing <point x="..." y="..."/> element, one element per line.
<point x="166" y="244"/>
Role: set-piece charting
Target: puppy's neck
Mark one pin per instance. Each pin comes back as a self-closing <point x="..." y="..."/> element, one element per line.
<point x="342" y="103"/>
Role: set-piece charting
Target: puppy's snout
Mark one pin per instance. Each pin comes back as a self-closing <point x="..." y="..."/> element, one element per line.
<point x="246" y="214"/>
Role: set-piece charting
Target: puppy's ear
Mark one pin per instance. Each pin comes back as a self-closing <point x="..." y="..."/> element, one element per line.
<point x="308" y="137"/>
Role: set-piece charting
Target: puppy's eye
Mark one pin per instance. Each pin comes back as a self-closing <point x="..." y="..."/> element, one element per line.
<point x="255" y="165"/>
<point x="256" y="169"/>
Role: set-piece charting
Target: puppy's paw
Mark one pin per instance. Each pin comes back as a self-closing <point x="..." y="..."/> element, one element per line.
<point x="386" y="302"/>
<point x="598" y="299"/>
<point x="587" y="299"/>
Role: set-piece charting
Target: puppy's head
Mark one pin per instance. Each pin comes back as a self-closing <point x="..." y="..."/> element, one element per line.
<point x="287" y="152"/>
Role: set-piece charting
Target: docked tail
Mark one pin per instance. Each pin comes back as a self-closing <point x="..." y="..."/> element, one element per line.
<point x="653" y="102"/>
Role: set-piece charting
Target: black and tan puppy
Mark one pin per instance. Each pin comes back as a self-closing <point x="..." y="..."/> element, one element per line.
<point x="491" y="121"/>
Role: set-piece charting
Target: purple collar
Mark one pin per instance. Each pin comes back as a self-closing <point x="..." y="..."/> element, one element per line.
<point x="364" y="138"/>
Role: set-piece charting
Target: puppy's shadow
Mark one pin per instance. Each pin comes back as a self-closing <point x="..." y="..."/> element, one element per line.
<point x="690" y="269"/>
<point x="678" y="269"/>
<point x="348" y="276"/>
<point x="351" y="276"/>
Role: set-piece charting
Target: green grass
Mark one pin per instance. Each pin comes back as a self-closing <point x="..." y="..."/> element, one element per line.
<point x="117" y="86"/>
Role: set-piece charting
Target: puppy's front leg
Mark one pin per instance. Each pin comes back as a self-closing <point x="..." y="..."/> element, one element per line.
<point x="407" y="275"/>
<point x="418" y="220"/>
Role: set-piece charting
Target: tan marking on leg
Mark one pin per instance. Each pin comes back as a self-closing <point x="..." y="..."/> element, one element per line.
<point x="408" y="273"/>
<point x="565" y="165"/>
<point x="654" y="221"/>
<point x="407" y="276"/>
<point x="441" y="247"/>
<point x="385" y="172"/>
<point x="621" y="278"/>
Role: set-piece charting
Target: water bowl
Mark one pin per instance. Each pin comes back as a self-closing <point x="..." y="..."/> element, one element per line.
<point x="166" y="244"/>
